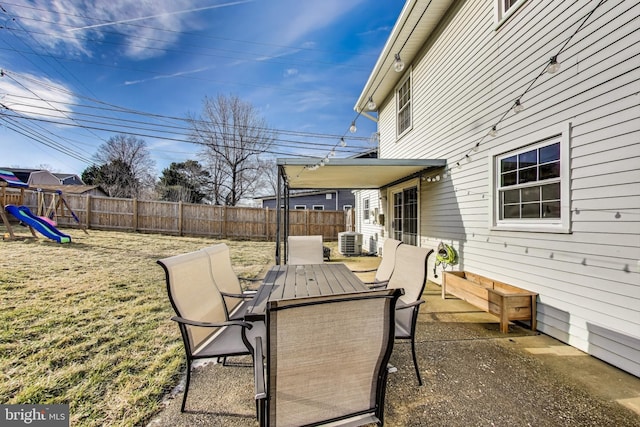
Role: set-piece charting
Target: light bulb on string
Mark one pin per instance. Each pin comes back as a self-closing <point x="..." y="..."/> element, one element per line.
<point x="398" y="65"/>
<point x="494" y="131"/>
<point x="437" y="177"/>
<point x="353" y="127"/>
<point x="371" y="105"/>
<point x="517" y="106"/>
<point x="332" y="153"/>
<point x="475" y="147"/>
<point x="343" y="143"/>
<point x="554" y="65"/>
<point x="326" y="160"/>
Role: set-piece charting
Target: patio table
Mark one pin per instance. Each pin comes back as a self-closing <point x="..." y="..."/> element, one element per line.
<point x="298" y="281"/>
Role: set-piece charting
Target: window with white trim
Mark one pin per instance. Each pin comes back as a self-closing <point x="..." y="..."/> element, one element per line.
<point x="531" y="186"/>
<point x="300" y="207"/>
<point x="318" y="207"/>
<point x="505" y="8"/>
<point x="365" y="210"/>
<point x="403" y="106"/>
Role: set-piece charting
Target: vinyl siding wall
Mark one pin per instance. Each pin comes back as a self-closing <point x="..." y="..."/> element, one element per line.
<point x="467" y="76"/>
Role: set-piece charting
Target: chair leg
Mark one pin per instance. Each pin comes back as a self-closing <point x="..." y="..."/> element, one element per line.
<point x="186" y="387"/>
<point x="415" y="360"/>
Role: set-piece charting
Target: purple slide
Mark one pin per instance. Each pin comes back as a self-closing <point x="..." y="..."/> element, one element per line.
<point x="25" y="215"/>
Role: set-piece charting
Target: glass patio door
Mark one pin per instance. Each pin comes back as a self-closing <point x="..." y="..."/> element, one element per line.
<point x="405" y="216"/>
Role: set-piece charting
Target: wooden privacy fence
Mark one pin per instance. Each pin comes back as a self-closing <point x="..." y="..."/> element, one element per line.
<point x="107" y="213"/>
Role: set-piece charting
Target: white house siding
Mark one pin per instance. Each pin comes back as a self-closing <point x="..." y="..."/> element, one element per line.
<point x="373" y="233"/>
<point x="466" y="78"/>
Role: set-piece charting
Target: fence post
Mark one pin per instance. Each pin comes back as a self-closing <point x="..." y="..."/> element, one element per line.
<point x="266" y="224"/>
<point x="223" y="229"/>
<point x="180" y="217"/>
<point x="134" y="222"/>
<point x="87" y="209"/>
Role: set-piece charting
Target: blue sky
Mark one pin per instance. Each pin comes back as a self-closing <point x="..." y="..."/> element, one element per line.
<point x="76" y="72"/>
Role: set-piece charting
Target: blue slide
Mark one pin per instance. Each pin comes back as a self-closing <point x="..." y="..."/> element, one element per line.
<point x="25" y="215"/>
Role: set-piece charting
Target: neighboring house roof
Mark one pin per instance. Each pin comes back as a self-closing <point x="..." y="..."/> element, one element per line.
<point x="36" y="177"/>
<point x="69" y="179"/>
<point x="417" y="21"/>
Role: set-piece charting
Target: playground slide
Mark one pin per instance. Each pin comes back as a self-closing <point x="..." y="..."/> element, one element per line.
<point x="25" y="215"/>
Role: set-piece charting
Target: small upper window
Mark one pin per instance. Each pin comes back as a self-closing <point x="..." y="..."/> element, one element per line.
<point x="505" y="8"/>
<point x="403" y="102"/>
<point x="318" y="207"/>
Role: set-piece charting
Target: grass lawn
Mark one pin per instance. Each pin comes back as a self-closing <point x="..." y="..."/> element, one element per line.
<point x="87" y="323"/>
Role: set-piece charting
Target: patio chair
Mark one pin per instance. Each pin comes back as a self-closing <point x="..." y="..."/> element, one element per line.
<point x="200" y="312"/>
<point x="409" y="273"/>
<point x="228" y="282"/>
<point x="304" y="250"/>
<point x="326" y="359"/>
<point x="385" y="268"/>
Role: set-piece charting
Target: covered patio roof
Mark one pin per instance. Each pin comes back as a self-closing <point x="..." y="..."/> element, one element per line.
<point x="352" y="173"/>
<point x="357" y="174"/>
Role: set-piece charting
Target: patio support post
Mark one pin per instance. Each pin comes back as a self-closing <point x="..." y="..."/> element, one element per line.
<point x="278" y="214"/>
<point x="286" y="216"/>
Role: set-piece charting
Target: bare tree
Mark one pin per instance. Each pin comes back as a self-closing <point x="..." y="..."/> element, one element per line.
<point x="234" y="137"/>
<point x="133" y="161"/>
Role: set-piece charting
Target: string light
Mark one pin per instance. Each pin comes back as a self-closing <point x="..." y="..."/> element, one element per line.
<point x="343" y="143"/>
<point x="554" y="65"/>
<point x="353" y="128"/>
<point x="399" y="64"/>
<point x="371" y="105"/>
<point x="493" y="132"/>
<point x="517" y="106"/>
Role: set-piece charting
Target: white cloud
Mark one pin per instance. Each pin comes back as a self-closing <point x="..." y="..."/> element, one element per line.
<point x="145" y="27"/>
<point x="290" y="72"/>
<point x="36" y="97"/>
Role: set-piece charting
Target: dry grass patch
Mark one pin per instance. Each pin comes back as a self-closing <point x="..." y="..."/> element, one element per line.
<point x="87" y="323"/>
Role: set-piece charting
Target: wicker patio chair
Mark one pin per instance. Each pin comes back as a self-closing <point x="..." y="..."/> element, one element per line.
<point x="326" y="359"/>
<point x="409" y="273"/>
<point x="304" y="250"/>
<point x="385" y="268"/>
<point x="228" y="282"/>
<point x="200" y="312"/>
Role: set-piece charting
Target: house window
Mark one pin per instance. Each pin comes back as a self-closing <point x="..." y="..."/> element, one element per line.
<point x="300" y="207"/>
<point x="405" y="215"/>
<point x="365" y="210"/>
<point x="505" y="8"/>
<point x="403" y="102"/>
<point x="346" y="207"/>
<point x="531" y="190"/>
<point x="318" y="207"/>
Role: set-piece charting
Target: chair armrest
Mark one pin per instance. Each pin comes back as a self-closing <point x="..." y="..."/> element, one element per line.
<point x="401" y="306"/>
<point x="364" y="271"/>
<point x="212" y="325"/>
<point x="243" y="295"/>
<point x="258" y="371"/>
<point x="376" y="285"/>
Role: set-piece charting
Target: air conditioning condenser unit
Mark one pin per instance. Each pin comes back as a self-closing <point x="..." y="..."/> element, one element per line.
<point x="350" y="243"/>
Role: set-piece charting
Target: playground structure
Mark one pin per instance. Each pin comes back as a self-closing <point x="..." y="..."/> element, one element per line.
<point x="12" y="196"/>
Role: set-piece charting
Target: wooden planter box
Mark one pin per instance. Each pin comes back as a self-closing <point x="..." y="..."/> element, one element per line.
<point x="505" y="301"/>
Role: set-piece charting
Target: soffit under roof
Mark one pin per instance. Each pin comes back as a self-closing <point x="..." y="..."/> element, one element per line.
<point x="353" y="173"/>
